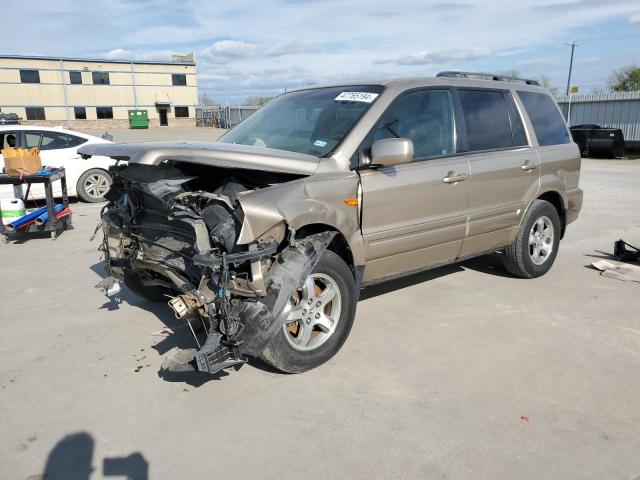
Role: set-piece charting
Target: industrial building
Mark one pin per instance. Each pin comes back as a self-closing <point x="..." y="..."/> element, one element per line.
<point x="607" y="109"/>
<point x="97" y="93"/>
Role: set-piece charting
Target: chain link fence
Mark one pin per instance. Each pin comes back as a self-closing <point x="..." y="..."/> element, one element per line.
<point x="222" y="116"/>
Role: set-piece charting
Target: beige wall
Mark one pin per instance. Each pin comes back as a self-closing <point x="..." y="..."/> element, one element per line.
<point x="152" y="84"/>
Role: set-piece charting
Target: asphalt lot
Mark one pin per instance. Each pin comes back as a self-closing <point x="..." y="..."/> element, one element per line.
<point x="161" y="134"/>
<point x="461" y="372"/>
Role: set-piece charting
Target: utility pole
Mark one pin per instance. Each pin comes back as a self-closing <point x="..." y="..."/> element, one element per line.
<point x="573" y="45"/>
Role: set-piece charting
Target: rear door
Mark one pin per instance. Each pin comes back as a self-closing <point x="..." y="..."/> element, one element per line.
<point x="414" y="215"/>
<point x="504" y="168"/>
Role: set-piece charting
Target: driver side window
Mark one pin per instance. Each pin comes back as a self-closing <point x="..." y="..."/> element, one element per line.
<point x="424" y="117"/>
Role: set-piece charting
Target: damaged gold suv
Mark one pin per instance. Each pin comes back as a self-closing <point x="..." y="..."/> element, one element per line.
<point x="262" y="241"/>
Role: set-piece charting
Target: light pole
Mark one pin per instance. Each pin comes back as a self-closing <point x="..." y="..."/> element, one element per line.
<point x="573" y="45"/>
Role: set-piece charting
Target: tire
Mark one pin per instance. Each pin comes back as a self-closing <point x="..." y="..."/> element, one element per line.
<point x="539" y="232"/>
<point x="93" y="185"/>
<point x="284" y="353"/>
<point x="152" y="293"/>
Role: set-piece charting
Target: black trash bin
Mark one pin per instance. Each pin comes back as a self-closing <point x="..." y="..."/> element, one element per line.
<point x="597" y="141"/>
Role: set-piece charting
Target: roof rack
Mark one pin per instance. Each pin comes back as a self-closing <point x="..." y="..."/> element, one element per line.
<point x="490" y="76"/>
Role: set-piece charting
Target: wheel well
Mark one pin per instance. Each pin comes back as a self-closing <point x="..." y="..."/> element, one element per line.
<point x="339" y="245"/>
<point x="555" y="199"/>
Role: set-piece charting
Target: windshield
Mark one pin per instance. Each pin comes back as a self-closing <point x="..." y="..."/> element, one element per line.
<point x="313" y="121"/>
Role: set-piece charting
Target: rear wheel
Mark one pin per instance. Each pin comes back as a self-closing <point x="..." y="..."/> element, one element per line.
<point x="93" y="185"/>
<point x="321" y="314"/>
<point x="533" y="252"/>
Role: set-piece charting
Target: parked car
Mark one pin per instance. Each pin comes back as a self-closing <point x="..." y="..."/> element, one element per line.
<point x="266" y="237"/>
<point x="86" y="179"/>
<point x="9" y="119"/>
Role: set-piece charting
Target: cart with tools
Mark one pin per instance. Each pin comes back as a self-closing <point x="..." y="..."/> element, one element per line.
<point x="55" y="223"/>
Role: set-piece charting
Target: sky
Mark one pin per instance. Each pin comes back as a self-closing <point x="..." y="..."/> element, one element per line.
<point x="260" y="48"/>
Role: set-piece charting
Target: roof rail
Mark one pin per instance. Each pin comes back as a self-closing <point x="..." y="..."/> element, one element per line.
<point x="490" y="76"/>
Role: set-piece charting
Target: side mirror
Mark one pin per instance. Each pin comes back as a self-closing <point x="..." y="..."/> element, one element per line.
<point x="391" y="151"/>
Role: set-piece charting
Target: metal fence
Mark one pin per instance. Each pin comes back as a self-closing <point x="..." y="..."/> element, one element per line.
<point x="612" y="110"/>
<point x="222" y="116"/>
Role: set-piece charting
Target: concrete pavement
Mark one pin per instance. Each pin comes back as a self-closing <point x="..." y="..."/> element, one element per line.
<point x="461" y="372"/>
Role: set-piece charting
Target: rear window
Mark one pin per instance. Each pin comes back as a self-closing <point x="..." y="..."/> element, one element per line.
<point x="486" y="119"/>
<point x="546" y="118"/>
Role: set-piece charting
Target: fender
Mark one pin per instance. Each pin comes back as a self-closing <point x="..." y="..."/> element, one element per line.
<point x="304" y="202"/>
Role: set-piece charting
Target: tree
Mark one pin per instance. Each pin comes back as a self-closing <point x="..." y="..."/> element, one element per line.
<point x="204" y="99"/>
<point x="626" y="79"/>
<point x="546" y="83"/>
<point x="259" y="101"/>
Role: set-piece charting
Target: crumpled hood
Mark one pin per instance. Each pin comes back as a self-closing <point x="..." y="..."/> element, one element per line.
<point x="207" y="153"/>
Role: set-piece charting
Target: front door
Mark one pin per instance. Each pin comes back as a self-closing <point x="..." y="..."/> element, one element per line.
<point x="414" y="215"/>
<point x="503" y="166"/>
<point x="163" y="117"/>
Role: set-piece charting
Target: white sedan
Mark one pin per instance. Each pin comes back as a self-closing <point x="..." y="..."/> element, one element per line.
<point x="86" y="179"/>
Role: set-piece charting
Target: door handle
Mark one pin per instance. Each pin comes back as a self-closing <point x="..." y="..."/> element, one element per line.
<point x="527" y="166"/>
<point x="453" y="177"/>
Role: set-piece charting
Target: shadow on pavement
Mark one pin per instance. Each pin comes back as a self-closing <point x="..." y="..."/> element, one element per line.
<point x="72" y="459"/>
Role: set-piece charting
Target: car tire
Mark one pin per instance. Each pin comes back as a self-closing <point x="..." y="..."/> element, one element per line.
<point x="286" y="352"/>
<point x="535" y="248"/>
<point x="152" y="293"/>
<point x="93" y="185"/>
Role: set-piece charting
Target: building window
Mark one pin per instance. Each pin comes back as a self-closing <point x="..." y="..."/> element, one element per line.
<point x="35" y="113"/>
<point x="75" y="78"/>
<point x="181" y="112"/>
<point x="80" y="113"/>
<point x="104" y="112"/>
<point x="29" y="76"/>
<point x="178" y="79"/>
<point x="100" y="78"/>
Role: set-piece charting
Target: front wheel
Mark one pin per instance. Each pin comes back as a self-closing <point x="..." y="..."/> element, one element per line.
<point x="533" y="252"/>
<point x="93" y="185"/>
<point x="320" y="318"/>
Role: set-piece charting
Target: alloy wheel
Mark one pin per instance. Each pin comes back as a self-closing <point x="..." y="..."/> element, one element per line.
<point x="96" y="185"/>
<point x="541" y="240"/>
<point x="315" y="312"/>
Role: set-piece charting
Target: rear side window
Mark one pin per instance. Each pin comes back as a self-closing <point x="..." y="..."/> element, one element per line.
<point x="59" y="140"/>
<point x="546" y="118"/>
<point x="486" y="119"/>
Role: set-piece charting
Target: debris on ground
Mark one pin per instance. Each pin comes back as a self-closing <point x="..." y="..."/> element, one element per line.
<point x="163" y="331"/>
<point x="618" y="270"/>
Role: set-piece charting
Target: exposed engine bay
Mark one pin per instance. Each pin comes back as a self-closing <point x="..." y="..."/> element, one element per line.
<point x="171" y="230"/>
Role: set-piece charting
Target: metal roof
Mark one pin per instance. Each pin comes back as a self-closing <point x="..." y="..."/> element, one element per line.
<point x="99" y="60"/>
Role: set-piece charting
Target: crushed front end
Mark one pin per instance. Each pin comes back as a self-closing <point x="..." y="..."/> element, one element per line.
<point x="170" y="233"/>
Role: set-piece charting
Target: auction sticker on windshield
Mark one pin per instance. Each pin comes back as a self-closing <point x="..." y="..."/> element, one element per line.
<point x="365" y="97"/>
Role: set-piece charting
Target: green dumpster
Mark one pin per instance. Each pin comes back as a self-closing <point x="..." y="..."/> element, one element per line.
<point x="138" y="119"/>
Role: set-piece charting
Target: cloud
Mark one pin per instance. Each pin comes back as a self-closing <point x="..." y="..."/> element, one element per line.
<point x="437" y="57"/>
<point x="248" y="48"/>
<point x="123" y="54"/>
<point x="232" y="50"/>
<point x="226" y="49"/>
<point x="583" y="4"/>
<point x="451" y="6"/>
